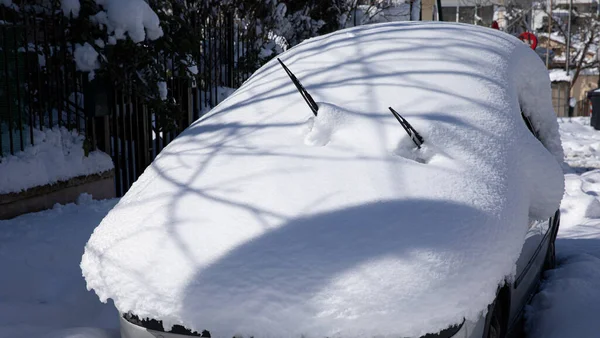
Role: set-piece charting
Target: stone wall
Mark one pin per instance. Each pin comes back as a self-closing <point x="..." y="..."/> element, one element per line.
<point x="100" y="186"/>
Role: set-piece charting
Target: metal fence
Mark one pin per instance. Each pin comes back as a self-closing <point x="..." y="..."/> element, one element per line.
<point x="40" y="87"/>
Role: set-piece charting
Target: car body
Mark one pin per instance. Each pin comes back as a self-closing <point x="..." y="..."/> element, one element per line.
<point x="313" y="211"/>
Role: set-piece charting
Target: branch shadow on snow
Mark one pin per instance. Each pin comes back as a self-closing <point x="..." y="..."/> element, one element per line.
<point x="285" y="241"/>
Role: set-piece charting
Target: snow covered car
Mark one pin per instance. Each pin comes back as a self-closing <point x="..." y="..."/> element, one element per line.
<point x="391" y="180"/>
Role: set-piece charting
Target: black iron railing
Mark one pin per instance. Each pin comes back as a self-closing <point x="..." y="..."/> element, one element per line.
<point x="41" y="87"/>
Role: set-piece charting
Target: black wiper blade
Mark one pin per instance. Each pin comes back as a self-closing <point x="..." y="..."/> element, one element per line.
<point x="309" y="100"/>
<point x="414" y="135"/>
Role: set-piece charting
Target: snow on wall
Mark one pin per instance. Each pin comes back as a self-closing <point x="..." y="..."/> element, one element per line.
<point x="559" y="75"/>
<point x="57" y="155"/>
<point x="261" y="219"/>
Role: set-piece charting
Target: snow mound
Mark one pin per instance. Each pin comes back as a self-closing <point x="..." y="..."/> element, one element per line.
<point x="43" y="293"/>
<point x="581" y="143"/>
<point x="569" y="300"/>
<point x="58" y="155"/>
<point x="570" y="295"/>
<point x="263" y="220"/>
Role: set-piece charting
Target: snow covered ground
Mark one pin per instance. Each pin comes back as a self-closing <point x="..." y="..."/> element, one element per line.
<point x="44" y="295"/>
<point x="569" y="300"/>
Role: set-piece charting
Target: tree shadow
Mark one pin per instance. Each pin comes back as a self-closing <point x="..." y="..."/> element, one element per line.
<point x="303" y="257"/>
<point x="303" y="265"/>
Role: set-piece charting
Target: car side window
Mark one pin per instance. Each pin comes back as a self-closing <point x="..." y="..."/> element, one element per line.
<point x="529" y="125"/>
<point x="540" y="226"/>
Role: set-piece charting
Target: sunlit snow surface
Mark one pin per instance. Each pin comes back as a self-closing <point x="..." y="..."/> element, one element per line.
<point x="263" y="220"/>
<point x="569" y="301"/>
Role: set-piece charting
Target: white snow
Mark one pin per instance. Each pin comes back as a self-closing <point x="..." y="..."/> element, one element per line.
<point x="57" y="155"/>
<point x="86" y="58"/>
<point x="133" y="18"/>
<point x="43" y="293"/>
<point x="559" y="75"/>
<point x="70" y="7"/>
<point x="36" y="301"/>
<point x="263" y="220"/>
<point x="569" y="301"/>
<point x="162" y="90"/>
<point x="581" y="143"/>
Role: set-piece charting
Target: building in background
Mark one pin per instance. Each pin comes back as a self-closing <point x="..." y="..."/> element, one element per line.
<point x="477" y="12"/>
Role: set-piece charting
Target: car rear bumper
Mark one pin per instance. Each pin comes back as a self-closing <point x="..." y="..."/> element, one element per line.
<point x="130" y="330"/>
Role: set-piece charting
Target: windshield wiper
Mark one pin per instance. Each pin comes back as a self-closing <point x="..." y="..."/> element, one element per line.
<point x="414" y="135"/>
<point x="309" y="100"/>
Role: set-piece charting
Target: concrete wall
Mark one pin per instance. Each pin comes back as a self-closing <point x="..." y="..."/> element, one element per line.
<point x="582" y="85"/>
<point x="427" y="7"/>
<point x="100" y="186"/>
<point x="560" y="98"/>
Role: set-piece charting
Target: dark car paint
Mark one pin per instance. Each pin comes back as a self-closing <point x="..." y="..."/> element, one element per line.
<point x="529" y="276"/>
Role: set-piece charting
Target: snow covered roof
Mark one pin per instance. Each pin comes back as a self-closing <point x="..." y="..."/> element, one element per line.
<point x="580" y="2"/>
<point x="261" y="219"/>
<point x="560" y="75"/>
<point x="467" y="3"/>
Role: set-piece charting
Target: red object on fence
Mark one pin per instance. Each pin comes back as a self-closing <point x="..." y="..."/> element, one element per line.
<point x="495" y="25"/>
<point x="529" y="38"/>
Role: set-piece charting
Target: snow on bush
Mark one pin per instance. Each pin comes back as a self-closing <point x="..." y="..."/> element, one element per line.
<point x="162" y="90"/>
<point x="263" y="220"/>
<point x="70" y="7"/>
<point x="133" y="18"/>
<point x="86" y="59"/>
<point x="58" y="155"/>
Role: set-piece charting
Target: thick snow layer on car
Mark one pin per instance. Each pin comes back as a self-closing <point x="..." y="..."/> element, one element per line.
<point x="261" y="219"/>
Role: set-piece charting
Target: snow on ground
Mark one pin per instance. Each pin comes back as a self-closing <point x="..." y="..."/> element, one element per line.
<point x="43" y="293"/>
<point x="58" y="155"/>
<point x="569" y="301"/>
<point x="581" y="143"/>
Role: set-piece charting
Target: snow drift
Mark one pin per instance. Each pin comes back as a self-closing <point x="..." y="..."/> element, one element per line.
<point x="57" y="155"/>
<point x="263" y="220"/>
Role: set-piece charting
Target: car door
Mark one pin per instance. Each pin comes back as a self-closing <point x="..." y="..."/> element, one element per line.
<point x="531" y="261"/>
<point x="530" y="265"/>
